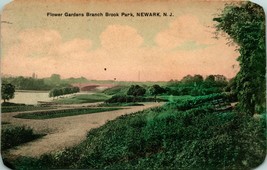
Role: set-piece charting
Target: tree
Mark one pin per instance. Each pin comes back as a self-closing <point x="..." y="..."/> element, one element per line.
<point x="210" y="78"/>
<point x="156" y="90"/>
<point x="55" y="92"/>
<point x="187" y="79"/>
<point x="55" y="78"/>
<point x="196" y="79"/>
<point x="7" y="91"/>
<point x="245" y="25"/>
<point x="136" y="90"/>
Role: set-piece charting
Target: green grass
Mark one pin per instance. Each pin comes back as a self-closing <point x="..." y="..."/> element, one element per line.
<point x="84" y="98"/>
<point x="117" y="90"/>
<point x="165" y="138"/>
<point x="172" y="98"/>
<point x="7" y="109"/>
<point x="62" y="113"/>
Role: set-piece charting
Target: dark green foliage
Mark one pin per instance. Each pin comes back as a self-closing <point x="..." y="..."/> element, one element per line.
<point x="12" y="104"/>
<point x="196" y="86"/>
<point x="27" y="83"/>
<point x="136" y="90"/>
<point x="61" y="113"/>
<point x="14" y="136"/>
<point x="197" y="101"/>
<point x="156" y="90"/>
<point x="245" y="25"/>
<point x="63" y="91"/>
<point x="192" y="79"/>
<point x="30" y="83"/>
<point x="166" y="138"/>
<point x="129" y="99"/>
<point x="16" y="107"/>
<point x="6" y="109"/>
<point x="7" y="91"/>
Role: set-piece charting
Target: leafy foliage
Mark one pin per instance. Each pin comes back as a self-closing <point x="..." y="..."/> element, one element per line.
<point x="197" y="101"/>
<point x="16" y="135"/>
<point x="197" y="86"/>
<point x="63" y="91"/>
<point x="156" y="90"/>
<point x="165" y="138"/>
<point x="136" y="90"/>
<point x="27" y="83"/>
<point x="245" y="24"/>
<point x="30" y="83"/>
<point x="62" y="113"/>
<point x="19" y="108"/>
<point x="7" y="91"/>
<point x="129" y="99"/>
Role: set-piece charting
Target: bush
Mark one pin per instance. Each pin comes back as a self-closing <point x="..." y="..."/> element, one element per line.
<point x="186" y="104"/>
<point x="129" y="99"/>
<point x="14" y="136"/>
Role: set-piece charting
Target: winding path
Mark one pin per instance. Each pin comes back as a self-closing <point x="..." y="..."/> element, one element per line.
<point x="65" y="131"/>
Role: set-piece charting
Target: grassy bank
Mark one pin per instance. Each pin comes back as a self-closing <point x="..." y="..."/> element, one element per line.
<point x="166" y="138"/>
<point x="62" y="113"/>
<point x="84" y="98"/>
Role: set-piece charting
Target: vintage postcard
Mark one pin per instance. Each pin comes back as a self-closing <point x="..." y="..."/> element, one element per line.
<point x="133" y="84"/>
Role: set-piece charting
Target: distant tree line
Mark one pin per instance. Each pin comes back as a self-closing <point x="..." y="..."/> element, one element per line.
<point x="63" y="91"/>
<point x="27" y="83"/>
<point x="32" y="83"/>
<point x="196" y="85"/>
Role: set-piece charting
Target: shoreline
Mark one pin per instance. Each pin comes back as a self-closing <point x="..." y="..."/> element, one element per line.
<point x="33" y="91"/>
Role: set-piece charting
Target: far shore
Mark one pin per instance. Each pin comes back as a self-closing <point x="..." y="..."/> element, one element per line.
<point x="33" y="91"/>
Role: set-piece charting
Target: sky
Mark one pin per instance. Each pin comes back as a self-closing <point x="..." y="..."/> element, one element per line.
<point x="130" y="48"/>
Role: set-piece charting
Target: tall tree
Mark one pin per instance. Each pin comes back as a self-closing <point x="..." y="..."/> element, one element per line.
<point x="245" y="25"/>
<point x="156" y="90"/>
<point x="7" y="91"/>
<point x="136" y="90"/>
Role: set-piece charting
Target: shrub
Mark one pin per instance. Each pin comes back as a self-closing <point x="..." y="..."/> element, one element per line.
<point x="129" y="99"/>
<point x="14" y="136"/>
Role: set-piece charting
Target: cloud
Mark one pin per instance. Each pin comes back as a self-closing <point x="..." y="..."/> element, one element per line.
<point x="184" y="29"/>
<point x="120" y="37"/>
<point x="44" y="51"/>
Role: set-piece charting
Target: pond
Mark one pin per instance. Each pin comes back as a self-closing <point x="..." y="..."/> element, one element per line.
<point x="30" y="97"/>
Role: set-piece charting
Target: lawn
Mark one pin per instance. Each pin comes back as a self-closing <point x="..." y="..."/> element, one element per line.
<point x="83" y="98"/>
<point x="7" y="109"/>
<point x="62" y="113"/>
<point x="166" y="138"/>
<point x="172" y="98"/>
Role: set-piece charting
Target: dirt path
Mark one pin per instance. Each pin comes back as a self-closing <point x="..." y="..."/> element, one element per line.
<point x="65" y="131"/>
